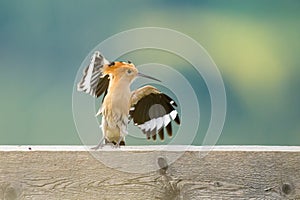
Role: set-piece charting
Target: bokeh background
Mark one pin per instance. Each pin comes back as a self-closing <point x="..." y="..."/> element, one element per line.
<point x="254" y="43"/>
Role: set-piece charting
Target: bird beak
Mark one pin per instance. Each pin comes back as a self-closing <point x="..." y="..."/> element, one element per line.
<point x="146" y="76"/>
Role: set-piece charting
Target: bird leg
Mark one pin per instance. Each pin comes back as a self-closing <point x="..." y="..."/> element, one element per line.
<point x="123" y="133"/>
<point x="118" y="144"/>
<point x="99" y="145"/>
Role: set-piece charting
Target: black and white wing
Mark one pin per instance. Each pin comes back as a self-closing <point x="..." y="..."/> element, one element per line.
<point x="152" y="111"/>
<point x="92" y="81"/>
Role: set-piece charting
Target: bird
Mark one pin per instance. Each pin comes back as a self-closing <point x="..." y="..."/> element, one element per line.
<point x="149" y="109"/>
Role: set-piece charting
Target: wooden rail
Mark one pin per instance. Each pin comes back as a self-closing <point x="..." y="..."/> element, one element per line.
<point x="225" y="172"/>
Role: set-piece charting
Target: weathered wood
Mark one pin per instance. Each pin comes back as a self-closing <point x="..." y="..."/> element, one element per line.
<point x="225" y="173"/>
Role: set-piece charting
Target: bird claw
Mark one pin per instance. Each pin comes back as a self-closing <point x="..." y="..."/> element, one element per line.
<point x="99" y="146"/>
<point x="102" y="143"/>
<point x="116" y="146"/>
<point x="96" y="148"/>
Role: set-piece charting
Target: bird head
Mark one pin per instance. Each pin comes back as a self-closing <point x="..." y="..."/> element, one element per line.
<point x="123" y="70"/>
<point x="120" y="70"/>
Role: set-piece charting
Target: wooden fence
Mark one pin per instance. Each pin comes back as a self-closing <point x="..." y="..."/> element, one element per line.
<point x="150" y="172"/>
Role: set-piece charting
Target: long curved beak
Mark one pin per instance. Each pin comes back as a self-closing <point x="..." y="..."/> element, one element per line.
<point x="146" y="76"/>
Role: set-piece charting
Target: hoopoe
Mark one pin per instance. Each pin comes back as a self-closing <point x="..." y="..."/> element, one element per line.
<point x="150" y="109"/>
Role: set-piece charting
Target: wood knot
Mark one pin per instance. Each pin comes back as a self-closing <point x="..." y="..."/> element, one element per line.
<point x="218" y="184"/>
<point x="169" y="185"/>
<point x="163" y="165"/>
<point x="10" y="191"/>
<point x="287" y="188"/>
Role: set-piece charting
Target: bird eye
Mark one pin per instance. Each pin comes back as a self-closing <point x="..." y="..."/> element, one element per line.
<point x="129" y="71"/>
<point x="111" y="64"/>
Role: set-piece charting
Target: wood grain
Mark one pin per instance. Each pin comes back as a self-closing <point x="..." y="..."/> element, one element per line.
<point x="234" y="174"/>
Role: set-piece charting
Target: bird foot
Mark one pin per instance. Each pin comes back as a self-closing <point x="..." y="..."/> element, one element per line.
<point x="116" y="146"/>
<point x="99" y="146"/>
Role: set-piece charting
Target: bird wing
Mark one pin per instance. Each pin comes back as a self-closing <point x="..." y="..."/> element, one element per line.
<point x="92" y="81"/>
<point x="152" y="111"/>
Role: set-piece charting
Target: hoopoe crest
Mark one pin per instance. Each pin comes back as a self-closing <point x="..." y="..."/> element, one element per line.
<point x="151" y="110"/>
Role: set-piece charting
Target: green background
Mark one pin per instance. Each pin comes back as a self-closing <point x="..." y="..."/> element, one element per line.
<point x="255" y="45"/>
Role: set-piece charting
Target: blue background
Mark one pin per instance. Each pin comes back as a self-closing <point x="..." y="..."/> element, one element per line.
<point x="254" y="43"/>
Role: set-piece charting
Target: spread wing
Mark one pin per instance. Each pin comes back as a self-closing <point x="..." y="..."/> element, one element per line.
<point x="152" y="111"/>
<point x="92" y="81"/>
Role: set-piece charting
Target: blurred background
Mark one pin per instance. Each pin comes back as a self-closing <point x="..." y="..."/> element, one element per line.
<point x="255" y="45"/>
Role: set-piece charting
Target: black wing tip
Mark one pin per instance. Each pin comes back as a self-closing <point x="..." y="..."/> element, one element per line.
<point x="169" y="129"/>
<point x="171" y="101"/>
<point x="177" y="119"/>
<point x="154" y="137"/>
<point x="161" y="134"/>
